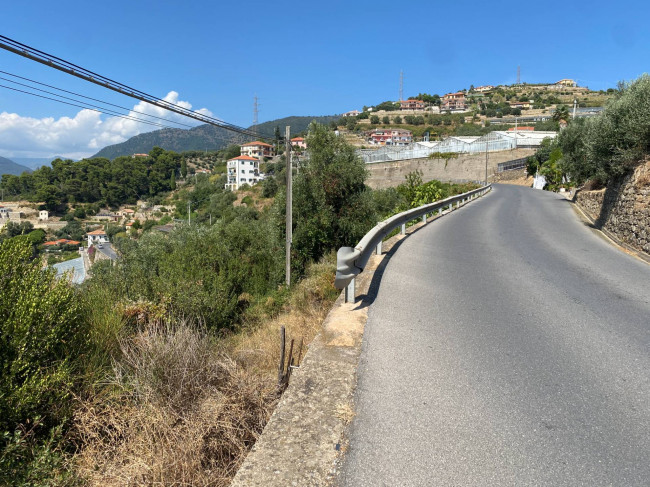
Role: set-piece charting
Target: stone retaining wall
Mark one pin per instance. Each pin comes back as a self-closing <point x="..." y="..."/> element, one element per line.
<point x="467" y="167"/>
<point x="623" y="208"/>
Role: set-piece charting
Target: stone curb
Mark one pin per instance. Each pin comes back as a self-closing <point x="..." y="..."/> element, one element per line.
<point x="305" y="436"/>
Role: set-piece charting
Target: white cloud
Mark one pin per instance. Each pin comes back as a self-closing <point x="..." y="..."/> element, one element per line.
<point x="86" y="133"/>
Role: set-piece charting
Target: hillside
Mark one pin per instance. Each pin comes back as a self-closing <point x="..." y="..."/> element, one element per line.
<point x="203" y="137"/>
<point x="7" y="166"/>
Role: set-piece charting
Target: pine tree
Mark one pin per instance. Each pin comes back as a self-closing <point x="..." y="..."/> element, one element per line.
<point x="172" y="181"/>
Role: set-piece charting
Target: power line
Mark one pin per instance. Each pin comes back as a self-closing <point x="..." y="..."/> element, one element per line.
<point x="75" y="70"/>
<point x="83" y="96"/>
<point x="87" y="108"/>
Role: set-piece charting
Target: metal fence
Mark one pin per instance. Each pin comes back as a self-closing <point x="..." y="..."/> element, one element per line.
<point x="512" y="165"/>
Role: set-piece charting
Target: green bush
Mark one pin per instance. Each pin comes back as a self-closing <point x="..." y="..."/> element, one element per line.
<point x="609" y="145"/>
<point x="41" y="334"/>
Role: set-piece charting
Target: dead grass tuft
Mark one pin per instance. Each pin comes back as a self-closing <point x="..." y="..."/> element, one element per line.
<point x="182" y="415"/>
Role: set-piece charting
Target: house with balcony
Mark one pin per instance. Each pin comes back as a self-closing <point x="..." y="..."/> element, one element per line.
<point x="417" y="105"/>
<point x="454" y="102"/>
<point x="242" y="170"/>
<point x="393" y="137"/>
<point x="258" y="149"/>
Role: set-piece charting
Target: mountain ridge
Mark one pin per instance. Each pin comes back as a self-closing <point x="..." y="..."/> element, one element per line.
<point x="205" y="137"/>
<point x="7" y="166"/>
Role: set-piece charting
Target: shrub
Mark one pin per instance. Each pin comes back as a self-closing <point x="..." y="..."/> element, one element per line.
<point x="41" y="334"/>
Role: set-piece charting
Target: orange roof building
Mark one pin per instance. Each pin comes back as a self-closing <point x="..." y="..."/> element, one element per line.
<point x="257" y="149"/>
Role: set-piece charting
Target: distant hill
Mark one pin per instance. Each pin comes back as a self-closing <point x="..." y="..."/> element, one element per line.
<point x="203" y="137"/>
<point x="7" y="166"/>
<point x="36" y="162"/>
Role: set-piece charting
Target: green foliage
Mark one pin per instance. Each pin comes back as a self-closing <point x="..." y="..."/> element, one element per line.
<point x="416" y="193"/>
<point x="72" y="231"/>
<point x="201" y="273"/>
<point x="108" y="183"/>
<point x="397" y="119"/>
<point x="374" y="119"/>
<point x="332" y="206"/>
<point x="387" y="201"/>
<point x="609" y="145"/>
<point x="388" y="106"/>
<point x="13" y="229"/>
<point x="385" y="119"/>
<point x="41" y="333"/>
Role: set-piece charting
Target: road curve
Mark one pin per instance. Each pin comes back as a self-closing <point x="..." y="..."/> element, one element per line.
<point x="508" y="344"/>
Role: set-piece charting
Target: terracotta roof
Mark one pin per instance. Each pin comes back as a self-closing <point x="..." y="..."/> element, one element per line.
<point x="257" y="142"/>
<point x="297" y="139"/>
<point x="127" y="210"/>
<point x="62" y="241"/>
<point x="528" y="129"/>
<point x="243" y="158"/>
<point x="97" y="232"/>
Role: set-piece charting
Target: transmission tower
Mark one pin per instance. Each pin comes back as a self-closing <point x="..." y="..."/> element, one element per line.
<point x="255" y="114"/>
<point x="518" y="75"/>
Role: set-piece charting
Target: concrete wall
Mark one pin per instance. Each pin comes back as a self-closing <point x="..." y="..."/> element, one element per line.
<point x="623" y="208"/>
<point x="466" y="167"/>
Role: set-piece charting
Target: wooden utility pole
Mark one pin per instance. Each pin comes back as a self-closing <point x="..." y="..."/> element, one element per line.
<point x="287" y="154"/>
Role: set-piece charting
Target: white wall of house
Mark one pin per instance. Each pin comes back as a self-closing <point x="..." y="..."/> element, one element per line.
<point x="242" y="170"/>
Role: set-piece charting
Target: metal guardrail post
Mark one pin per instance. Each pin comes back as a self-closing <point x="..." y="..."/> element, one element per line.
<point x="349" y="292"/>
<point x="378" y="249"/>
<point x="424" y="218"/>
<point x="403" y="229"/>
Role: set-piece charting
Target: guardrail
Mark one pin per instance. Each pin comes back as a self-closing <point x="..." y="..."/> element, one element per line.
<point x="350" y="261"/>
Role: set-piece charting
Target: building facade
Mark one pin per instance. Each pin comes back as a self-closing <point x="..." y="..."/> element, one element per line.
<point x="454" y="102"/>
<point x="243" y="170"/>
<point x="299" y="142"/>
<point x="258" y="150"/>
<point x="97" y="237"/>
<point x="411" y="105"/>
<point x="396" y="137"/>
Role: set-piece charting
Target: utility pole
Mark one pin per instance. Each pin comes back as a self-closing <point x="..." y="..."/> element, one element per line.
<point x="289" y="223"/>
<point x="518" y="75"/>
<point x="486" y="161"/>
<point x="401" y="85"/>
<point x="188" y="213"/>
<point x="575" y="104"/>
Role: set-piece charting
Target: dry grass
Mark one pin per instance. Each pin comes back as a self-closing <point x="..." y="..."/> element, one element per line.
<point x="183" y="408"/>
<point x="179" y="414"/>
<point x="257" y="347"/>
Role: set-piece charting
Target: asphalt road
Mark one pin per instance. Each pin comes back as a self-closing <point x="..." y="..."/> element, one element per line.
<point x="508" y="344"/>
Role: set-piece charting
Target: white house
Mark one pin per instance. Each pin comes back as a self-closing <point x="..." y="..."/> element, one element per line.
<point x="243" y="170"/>
<point x="43" y="215"/>
<point x="97" y="237"/>
<point x="4" y="212"/>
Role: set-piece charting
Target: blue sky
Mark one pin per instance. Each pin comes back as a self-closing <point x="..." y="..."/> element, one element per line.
<point x="300" y="58"/>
